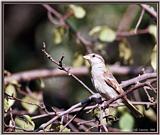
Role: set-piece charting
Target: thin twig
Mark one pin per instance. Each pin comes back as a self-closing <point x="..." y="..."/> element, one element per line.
<point x="78" y="71"/>
<point x="92" y="107"/>
<point x="85" y="105"/>
<point x="139" y="85"/>
<point x="132" y="33"/>
<point x="139" y="20"/>
<point x="43" y="126"/>
<point x="17" y="99"/>
<point x="64" y="22"/>
<point x="18" y="128"/>
<point x="150" y="10"/>
<point x="138" y="79"/>
<point x="52" y="10"/>
<point x="61" y="67"/>
<point x="149" y="97"/>
<point x="68" y="123"/>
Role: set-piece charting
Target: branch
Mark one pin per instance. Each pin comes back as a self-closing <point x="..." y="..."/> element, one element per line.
<point x="132" y="33"/>
<point x="150" y="10"/>
<point x="61" y="67"/>
<point x="138" y="79"/>
<point x="43" y="126"/>
<point x="139" y="85"/>
<point x="79" y="71"/>
<point x="63" y="20"/>
<point x="43" y="73"/>
<point x="92" y="107"/>
<point x="128" y="18"/>
<point x="139" y="21"/>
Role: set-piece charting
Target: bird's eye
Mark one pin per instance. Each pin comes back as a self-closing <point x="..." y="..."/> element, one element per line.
<point x="93" y="55"/>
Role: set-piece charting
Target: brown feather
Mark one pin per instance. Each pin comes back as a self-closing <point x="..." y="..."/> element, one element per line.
<point x="112" y="82"/>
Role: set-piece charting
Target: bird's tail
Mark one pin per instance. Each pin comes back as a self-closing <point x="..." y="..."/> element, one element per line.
<point x="133" y="109"/>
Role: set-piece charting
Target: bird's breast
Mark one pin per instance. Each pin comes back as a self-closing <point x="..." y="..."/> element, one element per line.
<point x="102" y="87"/>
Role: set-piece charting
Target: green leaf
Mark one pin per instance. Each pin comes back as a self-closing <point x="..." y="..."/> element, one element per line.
<point x="78" y="11"/>
<point x="126" y="122"/>
<point x="153" y="30"/>
<point x="25" y="122"/>
<point x="10" y="90"/>
<point x="107" y="35"/>
<point x="154" y="58"/>
<point x="35" y="99"/>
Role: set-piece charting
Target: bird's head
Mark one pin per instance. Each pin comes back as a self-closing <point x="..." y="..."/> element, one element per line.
<point x="94" y="59"/>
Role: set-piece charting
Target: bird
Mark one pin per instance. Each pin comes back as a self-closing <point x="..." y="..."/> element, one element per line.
<point x="106" y="84"/>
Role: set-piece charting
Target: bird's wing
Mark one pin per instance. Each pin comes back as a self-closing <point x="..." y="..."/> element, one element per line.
<point x="112" y="82"/>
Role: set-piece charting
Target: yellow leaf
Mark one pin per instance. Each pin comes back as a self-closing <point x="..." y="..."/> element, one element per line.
<point x="78" y="11"/>
<point x="95" y="30"/>
<point x="107" y="34"/>
<point x="153" y="30"/>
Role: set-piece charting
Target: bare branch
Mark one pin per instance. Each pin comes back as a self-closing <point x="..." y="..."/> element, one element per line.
<point x="139" y="21"/>
<point x="150" y="10"/>
<point x="43" y="126"/>
<point x="132" y="33"/>
<point x="63" y="20"/>
<point x="61" y="67"/>
<point x="44" y="73"/>
<point x="138" y="79"/>
<point x="78" y="71"/>
<point x="139" y="85"/>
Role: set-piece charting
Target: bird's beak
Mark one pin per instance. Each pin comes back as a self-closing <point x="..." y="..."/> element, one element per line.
<point x="86" y="57"/>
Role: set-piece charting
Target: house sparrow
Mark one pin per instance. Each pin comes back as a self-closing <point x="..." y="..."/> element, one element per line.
<point x="106" y="84"/>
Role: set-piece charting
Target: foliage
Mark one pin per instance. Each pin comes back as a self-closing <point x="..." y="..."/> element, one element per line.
<point x="72" y="30"/>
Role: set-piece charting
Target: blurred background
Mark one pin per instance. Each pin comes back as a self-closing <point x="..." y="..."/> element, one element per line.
<point x="27" y="26"/>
